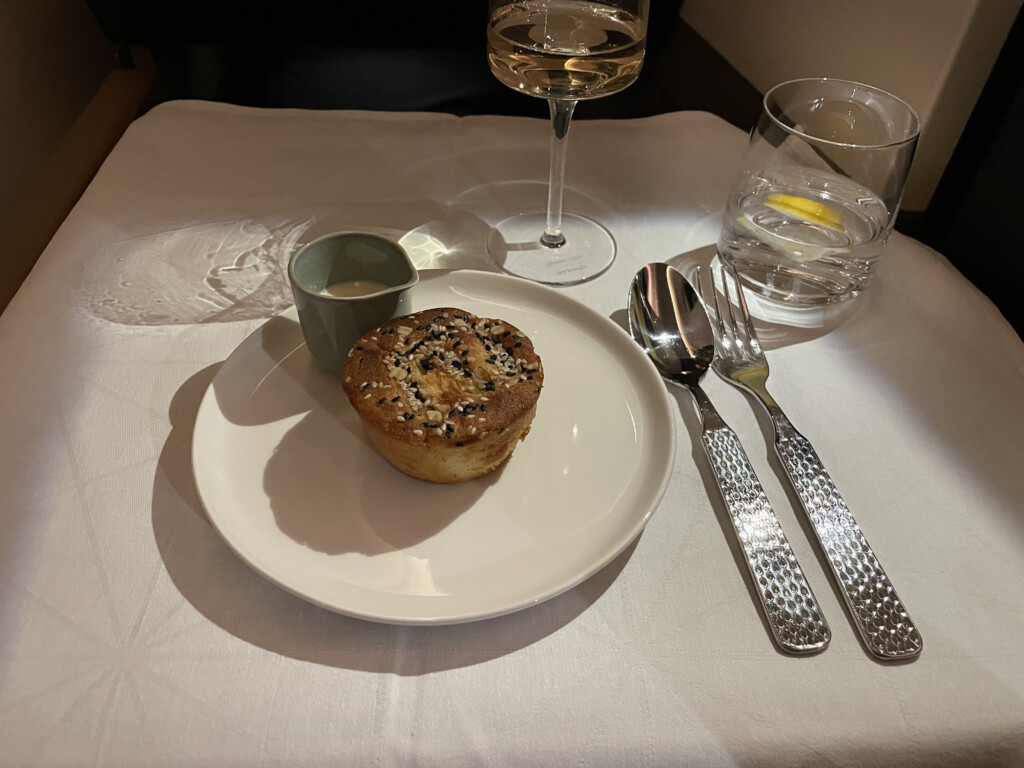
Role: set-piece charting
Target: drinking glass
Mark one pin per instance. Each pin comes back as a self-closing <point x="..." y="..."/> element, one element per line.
<point x="818" y="191"/>
<point x="563" y="51"/>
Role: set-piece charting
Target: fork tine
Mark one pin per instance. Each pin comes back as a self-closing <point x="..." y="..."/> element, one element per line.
<point x="748" y="321"/>
<point x="702" y="289"/>
<point x="723" y="308"/>
<point x="731" y="322"/>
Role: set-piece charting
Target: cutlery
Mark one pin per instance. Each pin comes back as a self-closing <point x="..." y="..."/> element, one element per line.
<point x="879" y="615"/>
<point x="668" y="321"/>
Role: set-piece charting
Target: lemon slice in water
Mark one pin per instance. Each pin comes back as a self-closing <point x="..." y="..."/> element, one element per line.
<point x="805" y="209"/>
<point x="809" y="210"/>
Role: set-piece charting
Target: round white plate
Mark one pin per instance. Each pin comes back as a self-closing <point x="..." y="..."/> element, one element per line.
<point x="296" y="490"/>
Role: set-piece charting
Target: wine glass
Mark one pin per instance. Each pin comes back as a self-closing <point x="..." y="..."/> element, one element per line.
<point x="563" y="51"/>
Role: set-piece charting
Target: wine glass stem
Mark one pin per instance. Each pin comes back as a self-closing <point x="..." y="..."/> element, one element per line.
<point x="561" y="116"/>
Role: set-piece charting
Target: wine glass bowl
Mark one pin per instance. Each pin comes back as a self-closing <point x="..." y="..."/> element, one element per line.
<point x="563" y="51"/>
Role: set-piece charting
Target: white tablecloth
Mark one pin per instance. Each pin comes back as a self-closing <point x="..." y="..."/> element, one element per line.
<point x="131" y="635"/>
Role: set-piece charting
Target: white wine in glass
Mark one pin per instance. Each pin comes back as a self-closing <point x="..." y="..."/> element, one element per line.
<point x="563" y="51"/>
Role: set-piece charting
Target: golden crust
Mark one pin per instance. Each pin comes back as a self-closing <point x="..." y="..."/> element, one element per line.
<point x="444" y="379"/>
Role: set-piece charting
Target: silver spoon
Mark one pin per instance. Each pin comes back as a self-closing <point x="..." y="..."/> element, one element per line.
<point x="667" y="319"/>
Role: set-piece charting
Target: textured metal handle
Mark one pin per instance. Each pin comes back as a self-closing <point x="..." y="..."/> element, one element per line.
<point x="794" y="617"/>
<point x="877" y="611"/>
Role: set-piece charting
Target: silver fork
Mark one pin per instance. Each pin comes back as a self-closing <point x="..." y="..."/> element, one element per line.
<point x="879" y="615"/>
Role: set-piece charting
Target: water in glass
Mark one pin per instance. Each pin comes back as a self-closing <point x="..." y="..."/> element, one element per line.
<point x="799" y="231"/>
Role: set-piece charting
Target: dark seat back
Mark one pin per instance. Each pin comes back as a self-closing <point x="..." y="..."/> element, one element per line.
<point x="336" y="55"/>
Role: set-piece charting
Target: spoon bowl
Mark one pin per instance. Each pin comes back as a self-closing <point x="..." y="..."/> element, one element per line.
<point x="667" y="320"/>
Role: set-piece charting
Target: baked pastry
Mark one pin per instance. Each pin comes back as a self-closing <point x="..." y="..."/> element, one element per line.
<point x="444" y="395"/>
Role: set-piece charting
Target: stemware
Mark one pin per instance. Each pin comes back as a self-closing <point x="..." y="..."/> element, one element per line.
<point x="564" y="51"/>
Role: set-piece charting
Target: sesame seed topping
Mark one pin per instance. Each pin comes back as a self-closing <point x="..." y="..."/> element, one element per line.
<point x="437" y="369"/>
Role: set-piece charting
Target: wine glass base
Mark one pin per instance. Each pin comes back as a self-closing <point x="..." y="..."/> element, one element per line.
<point x="514" y="246"/>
